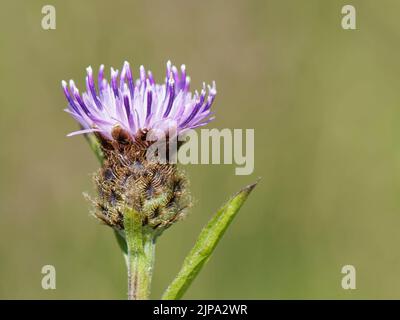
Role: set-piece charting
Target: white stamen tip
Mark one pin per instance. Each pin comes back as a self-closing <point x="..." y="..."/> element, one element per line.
<point x="114" y="73"/>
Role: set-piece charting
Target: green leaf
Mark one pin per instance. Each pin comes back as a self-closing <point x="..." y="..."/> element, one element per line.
<point x="205" y="245"/>
<point x="121" y="242"/>
<point x="95" y="146"/>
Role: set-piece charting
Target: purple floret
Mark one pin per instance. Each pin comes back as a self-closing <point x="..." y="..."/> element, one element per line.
<point x="138" y="105"/>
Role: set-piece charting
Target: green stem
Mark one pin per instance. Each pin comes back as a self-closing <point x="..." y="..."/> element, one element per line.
<point x="138" y="245"/>
<point x="141" y="245"/>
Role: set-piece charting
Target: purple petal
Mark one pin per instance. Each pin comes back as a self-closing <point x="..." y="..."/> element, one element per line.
<point x="170" y="98"/>
<point x="69" y="98"/>
<point x="114" y="85"/>
<point x="130" y="79"/>
<point x="82" y="132"/>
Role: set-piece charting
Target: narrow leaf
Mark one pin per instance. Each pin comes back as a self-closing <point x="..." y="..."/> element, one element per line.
<point x="121" y="242"/>
<point x="205" y="245"/>
<point x="95" y="146"/>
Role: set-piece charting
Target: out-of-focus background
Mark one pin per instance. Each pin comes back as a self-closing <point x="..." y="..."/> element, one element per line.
<point x="325" y="106"/>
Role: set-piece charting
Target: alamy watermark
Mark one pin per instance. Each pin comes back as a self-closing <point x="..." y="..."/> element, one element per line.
<point x="49" y="18"/>
<point x="49" y="278"/>
<point x="349" y="280"/>
<point x="205" y="146"/>
<point x="349" y="18"/>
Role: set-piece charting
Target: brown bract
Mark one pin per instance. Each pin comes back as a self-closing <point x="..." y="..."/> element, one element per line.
<point x="128" y="180"/>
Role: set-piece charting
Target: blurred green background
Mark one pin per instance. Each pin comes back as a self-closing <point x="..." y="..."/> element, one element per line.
<point x="324" y="103"/>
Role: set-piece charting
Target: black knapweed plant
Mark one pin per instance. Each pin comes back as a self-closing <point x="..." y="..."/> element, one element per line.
<point x="138" y="196"/>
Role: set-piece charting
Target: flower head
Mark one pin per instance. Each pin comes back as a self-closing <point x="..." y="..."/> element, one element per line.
<point x="121" y="113"/>
<point x="137" y="105"/>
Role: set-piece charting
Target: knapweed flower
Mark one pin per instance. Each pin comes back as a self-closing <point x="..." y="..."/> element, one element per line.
<point x="120" y="113"/>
